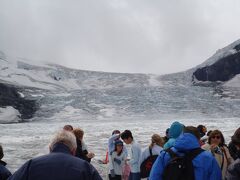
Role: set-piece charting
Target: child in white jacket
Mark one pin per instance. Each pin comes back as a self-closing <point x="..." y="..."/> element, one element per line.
<point x="116" y="161"/>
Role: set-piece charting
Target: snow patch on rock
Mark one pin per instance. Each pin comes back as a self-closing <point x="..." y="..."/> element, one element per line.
<point x="9" y="115"/>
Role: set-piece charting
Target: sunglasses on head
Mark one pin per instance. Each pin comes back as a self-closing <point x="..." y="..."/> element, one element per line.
<point x="216" y="137"/>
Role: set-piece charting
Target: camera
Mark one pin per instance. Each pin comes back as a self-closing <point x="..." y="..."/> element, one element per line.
<point x="217" y="150"/>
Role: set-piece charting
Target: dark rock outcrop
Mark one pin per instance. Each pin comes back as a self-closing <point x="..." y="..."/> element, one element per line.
<point x="222" y="70"/>
<point x="9" y="96"/>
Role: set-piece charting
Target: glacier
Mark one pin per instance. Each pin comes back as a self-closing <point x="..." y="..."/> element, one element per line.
<point x="99" y="102"/>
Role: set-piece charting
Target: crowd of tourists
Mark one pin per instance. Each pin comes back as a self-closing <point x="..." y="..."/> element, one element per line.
<point x="184" y="153"/>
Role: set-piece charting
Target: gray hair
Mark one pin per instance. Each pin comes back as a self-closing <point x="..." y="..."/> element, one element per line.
<point x="66" y="138"/>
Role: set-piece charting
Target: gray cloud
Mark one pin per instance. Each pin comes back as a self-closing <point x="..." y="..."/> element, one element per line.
<point x="154" y="36"/>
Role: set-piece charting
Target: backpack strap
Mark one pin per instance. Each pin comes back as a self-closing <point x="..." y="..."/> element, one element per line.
<point x="190" y="155"/>
<point x="225" y="154"/>
<point x="193" y="153"/>
<point x="171" y="153"/>
<point x="150" y="151"/>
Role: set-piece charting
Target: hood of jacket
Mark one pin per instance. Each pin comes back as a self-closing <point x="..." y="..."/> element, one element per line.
<point x="175" y="129"/>
<point x="186" y="142"/>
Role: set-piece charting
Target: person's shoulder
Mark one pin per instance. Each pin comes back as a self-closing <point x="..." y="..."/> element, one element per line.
<point x="3" y="169"/>
<point x="165" y="153"/>
<point x="2" y="166"/>
<point x="206" y="146"/>
<point x="145" y="149"/>
<point x="157" y="147"/>
<point x="136" y="144"/>
<point x="225" y="148"/>
<point x="4" y="172"/>
<point x="236" y="164"/>
<point x="206" y="154"/>
<point x="58" y="157"/>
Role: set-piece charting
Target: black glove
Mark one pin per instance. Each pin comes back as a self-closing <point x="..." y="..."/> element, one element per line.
<point x="112" y="173"/>
<point x="117" y="161"/>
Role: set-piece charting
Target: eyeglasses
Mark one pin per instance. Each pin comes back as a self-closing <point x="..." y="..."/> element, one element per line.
<point x="215" y="137"/>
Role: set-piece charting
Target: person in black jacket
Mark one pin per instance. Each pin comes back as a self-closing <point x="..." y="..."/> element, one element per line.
<point x="234" y="152"/>
<point x="82" y="151"/>
<point x="60" y="164"/>
<point x="4" y="172"/>
<point x="233" y="172"/>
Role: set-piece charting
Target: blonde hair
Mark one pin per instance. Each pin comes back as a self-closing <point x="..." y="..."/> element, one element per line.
<point x="156" y="139"/>
<point x="78" y="133"/>
<point x="64" y="137"/>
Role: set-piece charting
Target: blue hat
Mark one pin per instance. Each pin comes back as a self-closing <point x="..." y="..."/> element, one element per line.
<point x="118" y="142"/>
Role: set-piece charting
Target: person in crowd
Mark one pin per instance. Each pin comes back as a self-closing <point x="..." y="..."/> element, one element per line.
<point x="233" y="172"/>
<point x="204" y="139"/>
<point x="118" y="159"/>
<point x="202" y="130"/>
<point x="60" y="163"/>
<point x="82" y="151"/>
<point x="216" y="145"/>
<point x="115" y="136"/>
<point x="155" y="147"/>
<point x="68" y="127"/>
<point x="4" y="172"/>
<point x="185" y="143"/>
<point x="209" y="132"/>
<point x="166" y="137"/>
<point x="135" y="155"/>
<point x="111" y="141"/>
<point x="234" y="152"/>
<point x="174" y="132"/>
<point x="204" y="134"/>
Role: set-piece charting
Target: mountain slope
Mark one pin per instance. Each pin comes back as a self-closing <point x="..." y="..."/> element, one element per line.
<point x="53" y="77"/>
<point x="222" y="66"/>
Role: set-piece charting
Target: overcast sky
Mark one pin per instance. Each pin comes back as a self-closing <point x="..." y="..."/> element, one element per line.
<point x="146" y="36"/>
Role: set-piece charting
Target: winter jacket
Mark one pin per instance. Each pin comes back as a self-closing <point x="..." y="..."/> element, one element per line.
<point x="4" y="172"/>
<point x="233" y="172"/>
<point x="233" y="151"/>
<point x="59" y="164"/>
<point x="223" y="158"/>
<point x="80" y="153"/>
<point x="135" y="155"/>
<point x="117" y="162"/>
<point x="174" y="131"/>
<point x="205" y="165"/>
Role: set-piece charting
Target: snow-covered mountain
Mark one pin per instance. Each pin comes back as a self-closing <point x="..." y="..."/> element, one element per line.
<point x="35" y="81"/>
<point x="56" y="89"/>
<point x="21" y="72"/>
<point x="222" y="66"/>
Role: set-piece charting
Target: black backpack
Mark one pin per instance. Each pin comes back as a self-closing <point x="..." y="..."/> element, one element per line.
<point x="180" y="168"/>
<point x="147" y="164"/>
